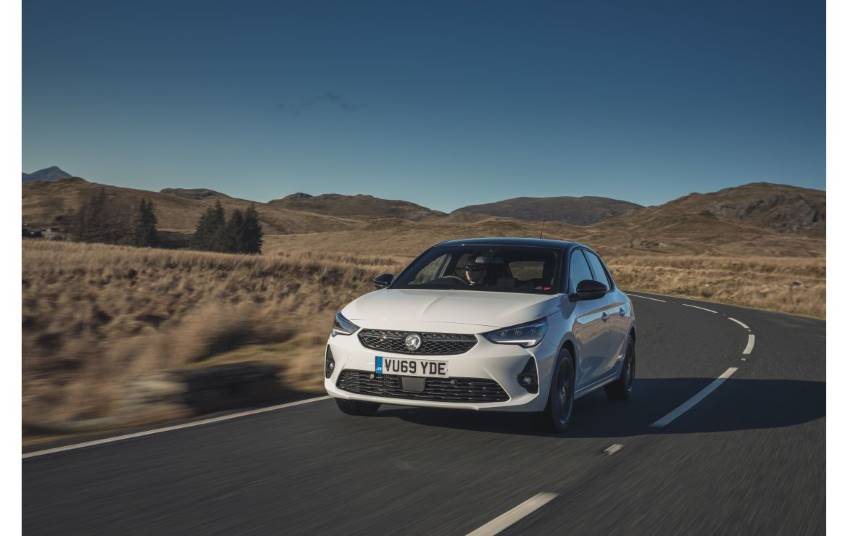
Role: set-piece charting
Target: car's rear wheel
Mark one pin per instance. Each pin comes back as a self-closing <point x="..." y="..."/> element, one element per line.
<point x="623" y="386"/>
<point x="357" y="407"/>
<point x="557" y="415"/>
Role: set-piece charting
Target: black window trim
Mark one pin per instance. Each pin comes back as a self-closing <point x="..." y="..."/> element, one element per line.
<point x="603" y="265"/>
<point x="570" y="255"/>
<point x="583" y="250"/>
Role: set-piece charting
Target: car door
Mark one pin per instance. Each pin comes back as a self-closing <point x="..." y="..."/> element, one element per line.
<point x="589" y="328"/>
<point x="613" y="316"/>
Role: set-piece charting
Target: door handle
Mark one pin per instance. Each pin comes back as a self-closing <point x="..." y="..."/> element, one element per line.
<point x="604" y="316"/>
<point x="621" y="311"/>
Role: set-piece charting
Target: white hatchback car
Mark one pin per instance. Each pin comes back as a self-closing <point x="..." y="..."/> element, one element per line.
<point x="507" y="324"/>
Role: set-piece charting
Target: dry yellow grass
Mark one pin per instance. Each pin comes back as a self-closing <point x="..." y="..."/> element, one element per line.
<point x="96" y="318"/>
<point x="787" y="284"/>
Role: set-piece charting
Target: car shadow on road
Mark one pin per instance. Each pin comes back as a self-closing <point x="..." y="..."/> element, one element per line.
<point x="738" y="404"/>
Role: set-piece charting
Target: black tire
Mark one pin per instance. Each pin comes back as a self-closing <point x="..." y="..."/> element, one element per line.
<point x="621" y="388"/>
<point x="560" y="409"/>
<point x="357" y="407"/>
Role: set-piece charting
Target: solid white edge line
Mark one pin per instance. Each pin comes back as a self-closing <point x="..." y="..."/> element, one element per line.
<point x="689" y="404"/>
<point x="750" y="346"/>
<point x="738" y="322"/>
<point x="510" y="517"/>
<point x="612" y="449"/>
<point x="154" y="431"/>
<point x="698" y="307"/>
<point x="647" y="298"/>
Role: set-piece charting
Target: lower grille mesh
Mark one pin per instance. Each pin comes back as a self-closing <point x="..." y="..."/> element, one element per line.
<point x="435" y="389"/>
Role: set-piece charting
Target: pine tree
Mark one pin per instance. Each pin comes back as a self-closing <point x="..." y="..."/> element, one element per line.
<point x="251" y="236"/>
<point x="90" y="217"/>
<point x="234" y="231"/>
<point x="102" y="220"/>
<point x="211" y="228"/>
<point x="145" y="233"/>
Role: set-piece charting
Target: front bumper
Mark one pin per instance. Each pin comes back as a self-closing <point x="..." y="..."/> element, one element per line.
<point x="501" y="363"/>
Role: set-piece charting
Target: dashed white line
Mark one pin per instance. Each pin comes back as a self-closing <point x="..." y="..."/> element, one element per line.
<point x="154" y="431"/>
<point x="698" y="307"/>
<point x="750" y="346"/>
<point x="612" y="449"/>
<point x="689" y="404"/>
<point x="512" y="516"/>
<point x="647" y="298"/>
<point x="738" y="322"/>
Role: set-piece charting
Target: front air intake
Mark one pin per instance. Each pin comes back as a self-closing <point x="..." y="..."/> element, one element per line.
<point x="435" y="389"/>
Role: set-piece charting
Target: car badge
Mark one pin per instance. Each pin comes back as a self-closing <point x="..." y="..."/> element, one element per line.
<point x="412" y="342"/>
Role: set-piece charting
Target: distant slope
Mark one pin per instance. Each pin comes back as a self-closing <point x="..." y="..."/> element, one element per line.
<point x="355" y="206"/>
<point x="52" y="173"/>
<point x="573" y="210"/>
<point x="54" y="204"/>
<point x="194" y="193"/>
<point x="779" y="207"/>
<point x="754" y="219"/>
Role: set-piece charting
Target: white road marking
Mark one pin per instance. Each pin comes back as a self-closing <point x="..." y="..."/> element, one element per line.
<point x="612" y="449"/>
<point x="646" y="298"/>
<point x="698" y="307"/>
<point x="154" y="431"/>
<point x="750" y="346"/>
<point x="689" y="404"/>
<point x="738" y="322"/>
<point x="511" y="517"/>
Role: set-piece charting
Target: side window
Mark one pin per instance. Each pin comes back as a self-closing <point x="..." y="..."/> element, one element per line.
<point x="598" y="269"/>
<point x="578" y="270"/>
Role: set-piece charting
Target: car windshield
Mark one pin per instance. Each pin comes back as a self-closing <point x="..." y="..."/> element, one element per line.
<point x="485" y="268"/>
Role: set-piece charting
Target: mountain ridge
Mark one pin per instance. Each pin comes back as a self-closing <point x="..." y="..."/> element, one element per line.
<point x="748" y="208"/>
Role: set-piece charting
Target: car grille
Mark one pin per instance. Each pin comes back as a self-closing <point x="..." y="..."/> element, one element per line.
<point x="431" y="343"/>
<point x="435" y="389"/>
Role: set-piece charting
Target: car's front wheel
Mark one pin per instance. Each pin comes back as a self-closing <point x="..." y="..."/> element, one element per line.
<point x="623" y="386"/>
<point x="357" y="407"/>
<point x="557" y="415"/>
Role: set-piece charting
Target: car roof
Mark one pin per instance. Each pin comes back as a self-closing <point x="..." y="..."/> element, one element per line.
<point x="511" y="241"/>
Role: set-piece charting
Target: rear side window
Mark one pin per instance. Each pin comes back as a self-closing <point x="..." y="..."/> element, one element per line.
<point x="600" y="275"/>
<point x="578" y="270"/>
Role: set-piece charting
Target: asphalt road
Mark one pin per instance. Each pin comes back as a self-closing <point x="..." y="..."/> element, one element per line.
<point x="749" y="458"/>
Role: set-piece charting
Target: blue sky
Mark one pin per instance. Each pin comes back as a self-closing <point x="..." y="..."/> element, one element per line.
<point x="442" y="103"/>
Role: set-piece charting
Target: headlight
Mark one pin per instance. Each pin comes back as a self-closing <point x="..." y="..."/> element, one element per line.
<point x="526" y="335"/>
<point x="343" y="326"/>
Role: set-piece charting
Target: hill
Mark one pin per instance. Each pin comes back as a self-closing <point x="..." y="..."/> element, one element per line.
<point x="52" y="204"/>
<point x="754" y="219"/>
<point x="355" y="206"/>
<point x="778" y="207"/>
<point x="573" y="210"/>
<point x="194" y="193"/>
<point x="52" y="173"/>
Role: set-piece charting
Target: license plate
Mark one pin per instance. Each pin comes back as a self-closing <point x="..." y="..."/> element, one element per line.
<point x="410" y="367"/>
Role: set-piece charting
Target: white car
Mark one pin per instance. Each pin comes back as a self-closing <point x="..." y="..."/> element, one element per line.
<point x="506" y="324"/>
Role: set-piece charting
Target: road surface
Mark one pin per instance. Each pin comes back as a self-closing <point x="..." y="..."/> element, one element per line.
<point x="725" y="434"/>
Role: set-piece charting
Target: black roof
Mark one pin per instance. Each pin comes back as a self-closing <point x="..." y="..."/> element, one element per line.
<point x="511" y="241"/>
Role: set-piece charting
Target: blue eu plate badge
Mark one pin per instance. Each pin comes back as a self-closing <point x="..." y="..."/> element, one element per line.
<point x="378" y="365"/>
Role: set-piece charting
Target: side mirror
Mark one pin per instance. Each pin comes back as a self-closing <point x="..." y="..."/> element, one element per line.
<point x="588" y="289"/>
<point x="383" y="280"/>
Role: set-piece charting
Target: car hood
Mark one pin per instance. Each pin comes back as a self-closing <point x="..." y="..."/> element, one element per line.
<point x="454" y="311"/>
